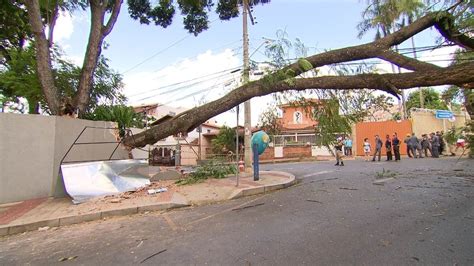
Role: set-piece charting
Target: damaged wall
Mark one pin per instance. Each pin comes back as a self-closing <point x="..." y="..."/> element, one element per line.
<point x="32" y="146"/>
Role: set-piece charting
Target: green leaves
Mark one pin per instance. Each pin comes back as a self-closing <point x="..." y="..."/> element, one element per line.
<point x="225" y="141"/>
<point x="431" y="99"/>
<point x="125" y="116"/>
<point x="194" y="12"/>
<point x="212" y="169"/>
<point x="304" y="65"/>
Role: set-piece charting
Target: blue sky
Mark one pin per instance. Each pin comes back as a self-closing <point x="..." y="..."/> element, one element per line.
<point x="150" y="57"/>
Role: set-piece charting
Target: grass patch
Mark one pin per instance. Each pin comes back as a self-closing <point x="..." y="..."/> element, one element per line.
<point x="385" y="174"/>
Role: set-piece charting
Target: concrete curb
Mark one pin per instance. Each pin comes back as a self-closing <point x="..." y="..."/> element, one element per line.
<point x="87" y="217"/>
<point x="177" y="201"/>
<point x="244" y="192"/>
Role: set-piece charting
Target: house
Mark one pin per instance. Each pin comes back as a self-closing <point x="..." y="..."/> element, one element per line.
<point x="297" y="137"/>
<point x="297" y="125"/>
<point x="192" y="145"/>
<point x="298" y="118"/>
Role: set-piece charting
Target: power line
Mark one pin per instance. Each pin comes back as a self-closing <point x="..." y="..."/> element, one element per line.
<point x="182" y="87"/>
<point x="233" y="49"/>
<point x="232" y="70"/>
<point x="162" y="51"/>
<point x="157" y="53"/>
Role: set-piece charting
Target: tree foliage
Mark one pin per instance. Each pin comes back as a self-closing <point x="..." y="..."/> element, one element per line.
<point x="42" y="15"/>
<point x="432" y="100"/>
<point x="269" y="120"/>
<point x="125" y="117"/>
<point x="19" y="79"/>
<point x="225" y="141"/>
<point x="335" y="110"/>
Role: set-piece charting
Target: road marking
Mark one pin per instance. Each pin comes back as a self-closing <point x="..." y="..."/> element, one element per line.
<point x="318" y="173"/>
<point x="170" y="222"/>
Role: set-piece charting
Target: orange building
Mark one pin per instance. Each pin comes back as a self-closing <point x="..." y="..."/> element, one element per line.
<point x="298" y="118"/>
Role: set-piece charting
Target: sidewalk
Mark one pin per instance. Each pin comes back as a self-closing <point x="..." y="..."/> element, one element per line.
<point x="48" y="212"/>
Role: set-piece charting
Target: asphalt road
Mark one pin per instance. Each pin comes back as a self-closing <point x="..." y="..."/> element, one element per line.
<point x="334" y="216"/>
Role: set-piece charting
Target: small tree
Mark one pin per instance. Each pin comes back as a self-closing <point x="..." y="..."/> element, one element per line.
<point x="125" y="117"/>
<point x="225" y="141"/>
<point x="432" y="100"/>
<point x="269" y="121"/>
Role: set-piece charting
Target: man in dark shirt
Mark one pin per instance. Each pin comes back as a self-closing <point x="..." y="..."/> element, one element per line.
<point x="435" y="145"/>
<point x="396" y="146"/>
<point x="425" y="145"/>
<point x="378" y="148"/>
<point x="388" y="147"/>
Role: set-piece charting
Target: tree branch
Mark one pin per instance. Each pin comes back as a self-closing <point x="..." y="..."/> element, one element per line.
<point x="425" y="75"/>
<point x="456" y="75"/>
<point x="445" y="26"/>
<point x="113" y="18"/>
<point x="406" y="62"/>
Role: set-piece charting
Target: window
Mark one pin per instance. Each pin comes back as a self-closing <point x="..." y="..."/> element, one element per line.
<point x="297" y="117"/>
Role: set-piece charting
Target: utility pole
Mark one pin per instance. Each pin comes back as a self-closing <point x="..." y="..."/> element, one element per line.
<point x="420" y="90"/>
<point x="245" y="77"/>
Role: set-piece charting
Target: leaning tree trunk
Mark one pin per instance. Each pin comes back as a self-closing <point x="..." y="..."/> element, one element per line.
<point x="424" y="74"/>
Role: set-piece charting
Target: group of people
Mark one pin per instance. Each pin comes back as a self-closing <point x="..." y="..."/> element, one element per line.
<point x="390" y="144"/>
<point x="432" y="144"/>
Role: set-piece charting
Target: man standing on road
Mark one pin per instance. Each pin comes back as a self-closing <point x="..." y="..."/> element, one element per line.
<point x="413" y="144"/>
<point x="378" y="147"/>
<point x="396" y="146"/>
<point x="425" y="145"/>
<point x="388" y="147"/>
<point x="442" y="144"/>
<point x="434" y="145"/>
<point x="348" y="146"/>
<point x="408" y="143"/>
<point x="339" y="153"/>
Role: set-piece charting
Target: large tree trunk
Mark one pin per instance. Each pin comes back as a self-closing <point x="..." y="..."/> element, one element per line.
<point x="97" y="34"/>
<point x="43" y="58"/>
<point x="424" y="74"/>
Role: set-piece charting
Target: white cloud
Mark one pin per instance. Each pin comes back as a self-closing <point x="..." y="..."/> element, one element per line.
<point x="64" y="27"/>
<point x="205" y="76"/>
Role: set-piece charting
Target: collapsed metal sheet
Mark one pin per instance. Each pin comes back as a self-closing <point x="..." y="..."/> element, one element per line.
<point x="84" y="181"/>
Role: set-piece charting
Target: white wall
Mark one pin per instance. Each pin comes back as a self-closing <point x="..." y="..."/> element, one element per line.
<point x="32" y="146"/>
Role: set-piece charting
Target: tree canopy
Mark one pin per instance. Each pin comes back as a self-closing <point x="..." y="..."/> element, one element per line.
<point x="42" y="15"/>
<point x="432" y="100"/>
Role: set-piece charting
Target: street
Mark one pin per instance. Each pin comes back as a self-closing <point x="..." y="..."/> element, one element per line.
<point x="422" y="214"/>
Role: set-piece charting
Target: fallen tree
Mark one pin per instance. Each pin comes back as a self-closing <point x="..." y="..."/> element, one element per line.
<point x="423" y="74"/>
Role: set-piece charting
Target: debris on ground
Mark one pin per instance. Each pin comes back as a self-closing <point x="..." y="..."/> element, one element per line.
<point x="45" y="228"/>
<point x="317" y="201"/>
<point x="348" y="188"/>
<point x="155" y="191"/>
<point x="67" y="258"/>
<point x="149" y="257"/>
